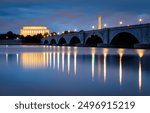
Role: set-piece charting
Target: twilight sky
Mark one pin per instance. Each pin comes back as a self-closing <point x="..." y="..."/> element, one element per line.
<point x="60" y="15"/>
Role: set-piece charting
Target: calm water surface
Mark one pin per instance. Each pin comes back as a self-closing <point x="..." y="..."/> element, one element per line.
<point x="47" y="70"/>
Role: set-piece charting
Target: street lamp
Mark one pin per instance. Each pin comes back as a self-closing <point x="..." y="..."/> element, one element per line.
<point x="93" y="27"/>
<point x="140" y="20"/>
<point x="120" y="22"/>
<point x="105" y="25"/>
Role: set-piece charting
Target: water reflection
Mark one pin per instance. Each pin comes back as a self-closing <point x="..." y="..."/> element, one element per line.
<point x="58" y="55"/>
<point x="75" y="60"/>
<point x="47" y="59"/>
<point x="36" y="60"/>
<point x="120" y="51"/>
<point x="105" y="52"/>
<point x="93" y="63"/>
<point x="50" y="59"/>
<point x="63" y="58"/>
<point x="17" y="57"/>
<point x="54" y="60"/>
<point x="140" y="53"/>
<point x="93" y="50"/>
<point x="68" y="57"/>
<point x="6" y="56"/>
<point x="99" y="67"/>
<point x="140" y="74"/>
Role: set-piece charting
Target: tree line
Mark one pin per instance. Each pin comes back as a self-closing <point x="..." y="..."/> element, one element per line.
<point x="25" y="39"/>
<point x="29" y="39"/>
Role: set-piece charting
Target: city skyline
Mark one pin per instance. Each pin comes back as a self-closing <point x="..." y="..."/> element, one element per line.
<point x="69" y="15"/>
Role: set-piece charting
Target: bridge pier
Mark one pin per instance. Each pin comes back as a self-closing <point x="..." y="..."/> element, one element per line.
<point x="141" y="46"/>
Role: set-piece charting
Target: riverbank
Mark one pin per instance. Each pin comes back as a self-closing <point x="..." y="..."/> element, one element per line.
<point x="18" y="42"/>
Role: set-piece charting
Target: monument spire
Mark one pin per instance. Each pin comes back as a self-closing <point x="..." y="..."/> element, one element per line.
<point x="99" y="22"/>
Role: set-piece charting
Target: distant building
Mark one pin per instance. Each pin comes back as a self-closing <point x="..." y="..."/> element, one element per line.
<point x="34" y="30"/>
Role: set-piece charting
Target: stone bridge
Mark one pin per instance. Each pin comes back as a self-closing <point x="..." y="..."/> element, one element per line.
<point x="137" y="36"/>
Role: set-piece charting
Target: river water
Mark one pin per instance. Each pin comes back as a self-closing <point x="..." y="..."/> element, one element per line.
<point x="54" y="70"/>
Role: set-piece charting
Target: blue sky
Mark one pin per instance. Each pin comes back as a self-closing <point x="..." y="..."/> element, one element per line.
<point x="60" y="15"/>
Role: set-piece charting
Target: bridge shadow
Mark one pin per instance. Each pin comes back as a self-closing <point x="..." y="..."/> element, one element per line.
<point x="53" y="42"/>
<point x="124" y="39"/>
<point x="93" y="41"/>
<point x="62" y="41"/>
<point x="46" y="42"/>
<point x="75" y="40"/>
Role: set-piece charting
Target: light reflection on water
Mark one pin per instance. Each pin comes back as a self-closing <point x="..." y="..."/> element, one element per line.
<point x="105" y="52"/>
<point x="140" y="54"/>
<point x="120" y="51"/>
<point x="106" y="68"/>
<point x="75" y="60"/>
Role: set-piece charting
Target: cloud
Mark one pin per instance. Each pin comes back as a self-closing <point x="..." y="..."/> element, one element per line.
<point x="69" y="14"/>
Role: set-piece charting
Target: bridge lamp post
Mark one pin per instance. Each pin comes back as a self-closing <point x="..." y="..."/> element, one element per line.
<point x="120" y="23"/>
<point x="105" y="25"/>
<point x="93" y="27"/>
<point x="140" y="20"/>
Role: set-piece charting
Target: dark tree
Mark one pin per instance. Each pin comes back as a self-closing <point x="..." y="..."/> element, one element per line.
<point x="10" y="35"/>
<point x="32" y="39"/>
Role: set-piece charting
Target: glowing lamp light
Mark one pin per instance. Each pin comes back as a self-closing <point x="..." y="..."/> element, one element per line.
<point x="17" y="38"/>
<point x="105" y="25"/>
<point x="140" y="52"/>
<point x="140" y="20"/>
<point x="75" y="30"/>
<point x="58" y="33"/>
<point x="120" y="22"/>
<point x="93" y="27"/>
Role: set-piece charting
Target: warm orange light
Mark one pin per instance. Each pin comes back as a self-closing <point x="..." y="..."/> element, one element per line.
<point x="140" y="52"/>
<point x="99" y="67"/>
<point x="93" y="51"/>
<point x="140" y="75"/>
<point x="105" y="52"/>
<point x="34" y="60"/>
<point x="68" y="54"/>
<point x="121" y="52"/>
<point x="34" y="30"/>
<point x="75" y="60"/>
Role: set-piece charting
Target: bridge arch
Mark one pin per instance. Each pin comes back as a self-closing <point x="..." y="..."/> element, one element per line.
<point x="74" y="40"/>
<point x="46" y="42"/>
<point x="93" y="40"/>
<point x="62" y="41"/>
<point x="124" y="39"/>
<point x="53" y="42"/>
